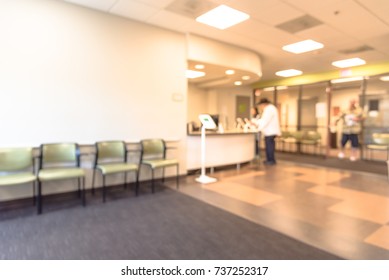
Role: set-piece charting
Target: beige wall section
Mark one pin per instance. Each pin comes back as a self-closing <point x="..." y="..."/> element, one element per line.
<point x="217" y="53"/>
<point x="72" y="74"/>
<point x="216" y="101"/>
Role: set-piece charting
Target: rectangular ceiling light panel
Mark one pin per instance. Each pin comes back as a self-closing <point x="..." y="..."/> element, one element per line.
<point x="349" y="62"/>
<point x="222" y="17"/>
<point x="303" y="46"/>
<point x="289" y="73"/>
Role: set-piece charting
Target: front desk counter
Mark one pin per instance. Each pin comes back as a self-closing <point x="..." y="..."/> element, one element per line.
<point x="228" y="148"/>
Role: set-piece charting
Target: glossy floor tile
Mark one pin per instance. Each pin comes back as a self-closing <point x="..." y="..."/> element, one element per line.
<point x="343" y="212"/>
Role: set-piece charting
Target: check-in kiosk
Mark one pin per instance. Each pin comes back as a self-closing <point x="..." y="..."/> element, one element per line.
<point x="207" y="123"/>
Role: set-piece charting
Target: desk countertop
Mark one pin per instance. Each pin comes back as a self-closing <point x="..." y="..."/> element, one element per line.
<point x="226" y="132"/>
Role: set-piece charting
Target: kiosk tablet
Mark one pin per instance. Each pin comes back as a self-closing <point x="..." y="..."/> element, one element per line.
<point x="207" y="121"/>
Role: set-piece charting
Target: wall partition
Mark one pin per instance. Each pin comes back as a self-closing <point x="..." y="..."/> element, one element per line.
<point x="316" y="107"/>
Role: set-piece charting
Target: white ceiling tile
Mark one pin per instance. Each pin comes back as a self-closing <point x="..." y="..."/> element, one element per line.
<point x="102" y="5"/>
<point x="155" y="3"/>
<point x="133" y="10"/>
<point x="380" y="8"/>
<point x="330" y="37"/>
<point x="352" y="19"/>
<point x="171" y="21"/>
<point x="308" y="5"/>
<point x="272" y="12"/>
<point x="263" y="33"/>
<point x="380" y="43"/>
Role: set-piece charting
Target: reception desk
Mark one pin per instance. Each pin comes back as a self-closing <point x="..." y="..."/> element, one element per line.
<point x="227" y="148"/>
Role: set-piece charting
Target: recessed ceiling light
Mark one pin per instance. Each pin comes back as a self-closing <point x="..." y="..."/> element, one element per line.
<point x="384" y="78"/>
<point x="238" y="83"/>
<point x="199" y="66"/>
<point x="246" y="78"/>
<point x="191" y="74"/>
<point x="289" y="73"/>
<point x="222" y="17"/>
<point x="345" y="80"/>
<point x="349" y="62"/>
<point x="303" y="46"/>
<point x="230" y="72"/>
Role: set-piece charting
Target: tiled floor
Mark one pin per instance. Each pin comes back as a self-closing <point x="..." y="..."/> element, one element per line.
<point x="342" y="212"/>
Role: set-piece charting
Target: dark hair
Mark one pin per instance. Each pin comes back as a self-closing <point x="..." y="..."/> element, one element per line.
<point x="263" y="101"/>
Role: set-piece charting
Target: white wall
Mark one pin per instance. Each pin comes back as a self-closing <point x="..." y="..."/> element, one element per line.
<point x="220" y="101"/>
<point x="72" y="74"/>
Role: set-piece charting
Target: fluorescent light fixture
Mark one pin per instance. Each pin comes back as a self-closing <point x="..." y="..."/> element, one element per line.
<point x="199" y="66"/>
<point x="303" y="46"/>
<point x="269" y="89"/>
<point x="222" y="17"/>
<point x="273" y="88"/>
<point x="246" y="78"/>
<point x="345" y="80"/>
<point x="230" y="72"/>
<point x="282" y="87"/>
<point x="238" y="83"/>
<point x="384" y="78"/>
<point x="289" y="73"/>
<point x="349" y="62"/>
<point x="191" y="74"/>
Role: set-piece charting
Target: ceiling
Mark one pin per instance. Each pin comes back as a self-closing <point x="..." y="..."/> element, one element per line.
<point x="347" y="28"/>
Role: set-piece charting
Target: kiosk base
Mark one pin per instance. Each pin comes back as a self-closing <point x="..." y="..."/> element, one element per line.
<point x="205" y="179"/>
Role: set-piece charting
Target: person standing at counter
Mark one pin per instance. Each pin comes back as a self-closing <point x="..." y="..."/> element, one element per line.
<point x="269" y="125"/>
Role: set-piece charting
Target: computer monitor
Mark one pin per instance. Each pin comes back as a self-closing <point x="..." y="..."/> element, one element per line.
<point x="215" y="119"/>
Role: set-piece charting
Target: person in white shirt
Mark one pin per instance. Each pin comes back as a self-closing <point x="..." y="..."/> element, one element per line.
<point x="269" y="125"/>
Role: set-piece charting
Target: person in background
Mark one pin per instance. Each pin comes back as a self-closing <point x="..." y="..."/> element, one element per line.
<point x="351" y="127"/>
<point x="269" y="125"/>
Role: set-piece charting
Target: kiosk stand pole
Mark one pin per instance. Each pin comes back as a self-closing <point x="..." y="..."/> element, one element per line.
<point x="204" y="179"/>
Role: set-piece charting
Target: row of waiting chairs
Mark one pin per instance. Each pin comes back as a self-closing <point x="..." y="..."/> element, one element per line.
<point x="60" y="161"/>
<point x="310" y="138"/>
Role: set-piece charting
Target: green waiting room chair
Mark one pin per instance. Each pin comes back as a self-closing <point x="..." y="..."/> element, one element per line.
<point x="111" y="158"/>
<point x="153" y="155"/>
<point x="60" y="161"/>
<point x="380" y="143"/>
<point x="17" y="167"/>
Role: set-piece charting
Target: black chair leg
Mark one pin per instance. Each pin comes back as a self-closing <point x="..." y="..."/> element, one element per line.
<point x="177" y="178"/>
<point x="137" y="182"/>
<point x="93" y="181"/>
<point x="83" y="192"/>
<point x="39" y="198"/>
<point x="34" y="193"/>
<point x="79" y="187"/>
<point x="152" y="181"/>
<point x="104" y="189"/>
